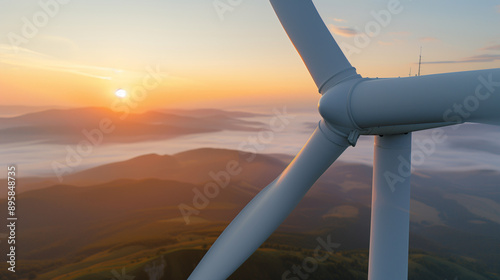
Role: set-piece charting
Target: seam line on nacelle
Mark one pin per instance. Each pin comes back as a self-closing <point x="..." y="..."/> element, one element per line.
<point x="349" y="108"/>
<point x="320" y="89"/>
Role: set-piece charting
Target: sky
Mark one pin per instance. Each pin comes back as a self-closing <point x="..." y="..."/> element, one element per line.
<point x="221" y="53"/>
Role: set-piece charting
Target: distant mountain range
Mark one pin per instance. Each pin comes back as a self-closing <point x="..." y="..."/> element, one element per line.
<point x="18" y="110"/>
<point x="37" y="139"/>
<point x="65" y="126"/>
<point x="127" y="214"/>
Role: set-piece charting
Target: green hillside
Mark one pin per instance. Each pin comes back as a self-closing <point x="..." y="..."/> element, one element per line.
<point x="134" y="226"/>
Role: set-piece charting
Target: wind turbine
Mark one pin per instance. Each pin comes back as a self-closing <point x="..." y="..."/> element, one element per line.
<point x="390" y="109"/>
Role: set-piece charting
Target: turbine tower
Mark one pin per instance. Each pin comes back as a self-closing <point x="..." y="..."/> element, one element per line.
<point x="419" y="61"/>
<point x="389" y="109"/>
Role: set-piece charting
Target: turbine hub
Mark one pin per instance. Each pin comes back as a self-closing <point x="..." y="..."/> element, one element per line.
<point x="335" y="108"/>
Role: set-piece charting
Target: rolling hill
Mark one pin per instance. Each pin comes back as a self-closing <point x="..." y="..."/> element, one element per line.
<point x="127" y="215"/>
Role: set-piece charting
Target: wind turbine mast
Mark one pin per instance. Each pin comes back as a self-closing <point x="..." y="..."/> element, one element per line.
<point x="420" y="61"/>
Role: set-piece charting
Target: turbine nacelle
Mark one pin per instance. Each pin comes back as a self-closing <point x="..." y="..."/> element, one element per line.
<point x="366" y="106"/>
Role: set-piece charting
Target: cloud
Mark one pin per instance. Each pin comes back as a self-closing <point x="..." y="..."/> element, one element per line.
<point x="337" y="19"/>
<point x="491" y="48"/>
<point x="342" y="30"/>
<point x="482" y="58"/>
<point x="428" y="39"/>
<point x="470" y="59"/>
<point x="22" y="57"/>
<point x="481" y="145"/>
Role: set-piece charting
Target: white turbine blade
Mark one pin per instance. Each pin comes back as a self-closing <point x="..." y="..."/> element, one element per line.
<point x="258" y="220"/>
<point x="472" y="96"/>
<point x="313" y="41"/>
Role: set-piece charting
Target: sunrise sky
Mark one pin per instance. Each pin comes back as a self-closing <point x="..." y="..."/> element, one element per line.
<point x="78" y="53"/>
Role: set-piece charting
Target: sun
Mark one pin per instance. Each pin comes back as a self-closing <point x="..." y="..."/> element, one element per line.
<point x="121" y="93"/>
